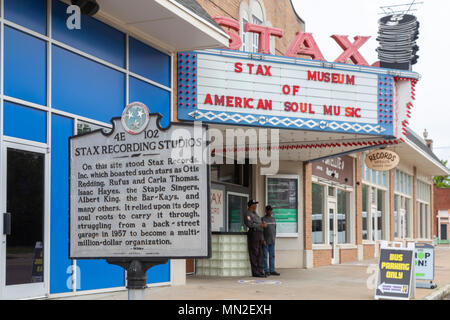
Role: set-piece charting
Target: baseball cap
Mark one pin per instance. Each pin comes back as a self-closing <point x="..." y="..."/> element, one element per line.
<point x="252" y="202"/>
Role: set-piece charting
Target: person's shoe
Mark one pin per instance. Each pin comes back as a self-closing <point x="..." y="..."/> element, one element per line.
<point x="258" y="275"/>
<point x="267" y="274"/>
<point x="274" y="273"/>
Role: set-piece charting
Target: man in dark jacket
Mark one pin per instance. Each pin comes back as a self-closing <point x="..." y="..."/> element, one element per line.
<point x="270" y="233"/>
<point x="255" y="239"/>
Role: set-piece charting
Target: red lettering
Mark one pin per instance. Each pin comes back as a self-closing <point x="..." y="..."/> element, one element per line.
<point x="286" y="89"/>
<point x="229" y="101"/>
<point x="250" y="67"/>
<point x="335" y="78"/>
<point x="304" y="44"/>
<point x="312" y="75"/>
<point x="295" y="90"/>
<point x="238" y="102"/>
<point x="235" y="42"/>
<point x="238" y="67"/>
<point x="261" y="105"/>
<point x="351" y="49"/>
<point x="268" y="73"/>
<point x="247" y="103"/>
<point x="337" y="110"/>
<point x="298" y="107"/>
<point x="208" y="99"/>
<point x="264" y="35"/>
<point x="349" y="112"/>
<point x="331" y="110"/>
<point x="303" y="107"/>
<point x="351" y="80"/>
<point x="219" y="101"/>
<point x="260" y="70"/>
<point x="287" y="106"/>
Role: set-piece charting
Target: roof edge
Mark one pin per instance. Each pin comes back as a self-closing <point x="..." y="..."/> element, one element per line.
<point x="295" y="11"/>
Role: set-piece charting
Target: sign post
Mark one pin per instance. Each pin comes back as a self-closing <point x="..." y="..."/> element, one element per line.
<point x="139" y="195"/>
<point x="396" y="277"/>
<point x="424" y="265"/>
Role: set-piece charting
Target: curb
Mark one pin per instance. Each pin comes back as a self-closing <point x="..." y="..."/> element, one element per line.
<point x="439" y="294"/>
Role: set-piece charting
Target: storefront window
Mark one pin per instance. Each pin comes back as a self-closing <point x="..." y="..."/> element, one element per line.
<point x="343" y="216"/>
<point x="238" y="174"/>
<point x="365" y="191"/>
<point x="255" y="35"/>
<point x="282" y="195"/>
<point x="408" y="219"/>
<point x="403" y="182"/>
<point x="396" y="216"/>
<point x="245" y="39"/>
<point x="423" y="219"/>
<point x="318" y="214"/>
<point x="380" y="213"/>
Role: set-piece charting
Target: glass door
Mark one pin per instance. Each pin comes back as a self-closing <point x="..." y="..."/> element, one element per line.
<point x="24" y="253"/>
<point x="333" y="234"/>
<point x="237" y="208"/>
<point x="402" y="224"/>
<point x="374" y="222"/>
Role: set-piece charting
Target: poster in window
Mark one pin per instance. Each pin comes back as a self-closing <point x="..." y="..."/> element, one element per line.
<point x="217" y="204"/>
<point x="282" y="195"/>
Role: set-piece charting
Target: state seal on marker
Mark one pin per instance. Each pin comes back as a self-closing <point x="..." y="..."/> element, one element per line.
<point x="135" y="117"/>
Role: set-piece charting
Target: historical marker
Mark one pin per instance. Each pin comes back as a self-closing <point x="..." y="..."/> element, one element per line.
<point x="139" y="191"/>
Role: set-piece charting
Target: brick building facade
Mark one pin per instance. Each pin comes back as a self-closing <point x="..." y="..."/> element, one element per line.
<point x="336" y="221"/>
<point x="441" y="213"/>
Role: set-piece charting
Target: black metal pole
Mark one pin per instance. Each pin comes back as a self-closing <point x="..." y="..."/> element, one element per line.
<point x="136" y="274"/>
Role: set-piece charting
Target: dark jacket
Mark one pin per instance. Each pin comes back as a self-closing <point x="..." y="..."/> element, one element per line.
<point x="270" y="232"/>
<point x="254" y="223"/>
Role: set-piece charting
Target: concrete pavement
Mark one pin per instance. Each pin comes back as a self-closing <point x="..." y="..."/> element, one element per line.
<point x="350" y="281"/>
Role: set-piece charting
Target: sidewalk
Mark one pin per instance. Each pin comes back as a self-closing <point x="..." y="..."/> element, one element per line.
<point x="338" y="282"/>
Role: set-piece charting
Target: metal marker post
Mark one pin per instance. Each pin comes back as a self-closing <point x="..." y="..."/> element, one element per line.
<point x="136" y="274"/>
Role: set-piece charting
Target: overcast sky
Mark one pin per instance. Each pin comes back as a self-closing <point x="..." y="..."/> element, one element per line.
<point x="360" y="17"/>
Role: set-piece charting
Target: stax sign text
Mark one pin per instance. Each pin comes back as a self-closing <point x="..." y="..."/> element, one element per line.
<point x="286" y="90"/>
<point x="303" y="44"/>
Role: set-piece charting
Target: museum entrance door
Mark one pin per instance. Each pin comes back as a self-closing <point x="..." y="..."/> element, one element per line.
<point x="24" y="255"/>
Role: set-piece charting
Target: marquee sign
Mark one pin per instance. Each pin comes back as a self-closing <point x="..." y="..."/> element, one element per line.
<point x="140" y="191"/>
<point x="226" y="87"/>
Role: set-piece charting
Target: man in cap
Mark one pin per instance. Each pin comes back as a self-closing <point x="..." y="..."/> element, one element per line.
<point x="270" y="234"/>
<point x="255" y="238"/>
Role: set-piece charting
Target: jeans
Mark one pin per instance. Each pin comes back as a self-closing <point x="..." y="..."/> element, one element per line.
<point x="269" y="250"/>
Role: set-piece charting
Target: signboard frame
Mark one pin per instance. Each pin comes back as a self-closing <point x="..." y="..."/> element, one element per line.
<point x="426" y="246"/>
<point x="386" y="121"/>
<point x="412" y="278"/>
<point x="143" y="257"/>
